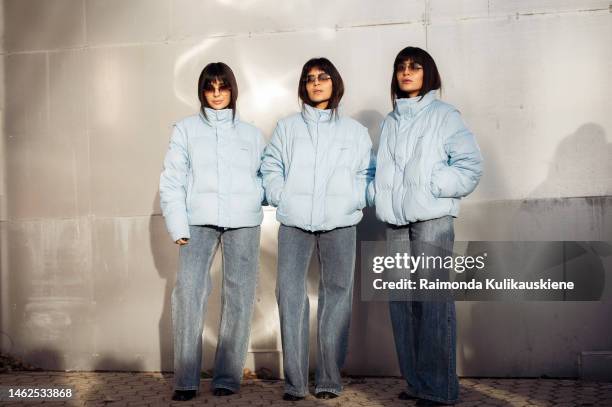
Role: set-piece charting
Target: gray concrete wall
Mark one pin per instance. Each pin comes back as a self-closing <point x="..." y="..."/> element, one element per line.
<point x="91" y="88"/>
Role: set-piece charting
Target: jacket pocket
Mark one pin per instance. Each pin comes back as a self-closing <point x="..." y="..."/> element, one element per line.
<point x="432" y="185"/>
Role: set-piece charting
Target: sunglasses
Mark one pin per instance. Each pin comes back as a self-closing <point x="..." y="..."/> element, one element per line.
<point x="222" y="88"/>
<point x="322" y="77"/>
<point x="411" y="66"/>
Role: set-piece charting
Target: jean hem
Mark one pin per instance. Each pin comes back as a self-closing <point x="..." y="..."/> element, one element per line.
<point x="333" y="390"/>
<point x="225" y="386"/>
<point x="183" y="388"/>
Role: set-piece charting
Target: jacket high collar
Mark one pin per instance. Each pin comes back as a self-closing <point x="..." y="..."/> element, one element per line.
<point x="218" y="118"/>
<point x="312" y="114"/>
<point x="410" y="107"/>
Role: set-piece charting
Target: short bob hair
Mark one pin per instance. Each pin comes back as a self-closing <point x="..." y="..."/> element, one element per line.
<point x="431" y="76"/>
<point x="326" y="66"/>
<point x="213" y="72"/>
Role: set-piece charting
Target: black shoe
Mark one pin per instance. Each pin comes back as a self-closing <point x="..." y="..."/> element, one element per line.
<point x="183" y="395"/>
<point x="291" y="397"/>
<point x="423" y="402"/>
<point x="220" y="391"/>
<point x="326" y="395"/>
<point x="406" y="396"/>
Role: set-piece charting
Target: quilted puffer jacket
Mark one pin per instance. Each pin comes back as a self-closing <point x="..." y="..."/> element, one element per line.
<point x="211" y="174"/>
<point x="427" y="161"/>
<point x="318" y="170"/>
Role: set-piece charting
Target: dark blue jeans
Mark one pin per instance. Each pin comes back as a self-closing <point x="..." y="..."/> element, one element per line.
<point x="425" y="331"/>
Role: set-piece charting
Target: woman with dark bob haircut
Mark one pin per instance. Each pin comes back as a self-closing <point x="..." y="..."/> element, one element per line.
<point x="427" y="161"/>
<point x="211" y="194"/>
<point x="317" y="172"/>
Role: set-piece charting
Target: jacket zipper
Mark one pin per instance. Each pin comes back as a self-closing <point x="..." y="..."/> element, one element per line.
<point x="314" y="176"/>
<point x="409" y="148"/>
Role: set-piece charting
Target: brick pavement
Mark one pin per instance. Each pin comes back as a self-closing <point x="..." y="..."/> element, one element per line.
<point x="154" y="389"/>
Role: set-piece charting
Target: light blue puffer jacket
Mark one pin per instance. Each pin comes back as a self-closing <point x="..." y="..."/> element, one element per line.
<point x="427" y="161"/>
<point x="318" y="169"/>
<point x="211" y="174"/>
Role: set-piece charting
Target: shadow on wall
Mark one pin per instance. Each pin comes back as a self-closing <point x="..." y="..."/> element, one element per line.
<point x="371" y="344"/>
<point x="544" y="337"/>
<point x="582" y="158"/>
<point x="370" y="323"/>
<point x="579" y="174"/>
<point x="164" y="257"/>
<point x="264" y="344"/>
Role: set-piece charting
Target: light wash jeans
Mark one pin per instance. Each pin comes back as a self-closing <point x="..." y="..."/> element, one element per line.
<point x="336" y="253"/>
<point x="425" y="331"/>
<point x="240" y="248"/>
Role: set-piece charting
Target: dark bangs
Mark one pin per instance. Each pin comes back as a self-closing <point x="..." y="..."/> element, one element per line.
<point x="431" y="76"/>
<point x="217" y="71"/>
<point x="326" y="66"/>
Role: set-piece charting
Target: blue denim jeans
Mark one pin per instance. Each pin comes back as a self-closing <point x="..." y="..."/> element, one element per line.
<point x="336" y="254"/>
<point x="425" y="331"/>
<point x="240" y="249"/>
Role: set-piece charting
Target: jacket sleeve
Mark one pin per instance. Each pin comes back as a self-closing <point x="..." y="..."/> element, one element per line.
<point x="273" y="167"/>
<point x="459" y="176"/>
<point x="365" y="170"/>
<point x="384" y="159"/>
<point x="261" y="145"/>
<point x="173" y="186"/>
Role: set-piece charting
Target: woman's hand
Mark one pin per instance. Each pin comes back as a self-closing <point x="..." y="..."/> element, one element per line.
<point x="182" y="241"/>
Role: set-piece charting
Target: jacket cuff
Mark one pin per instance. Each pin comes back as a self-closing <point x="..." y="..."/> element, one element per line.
<point x="437" y="175"/>
<point x="178" y="227"/>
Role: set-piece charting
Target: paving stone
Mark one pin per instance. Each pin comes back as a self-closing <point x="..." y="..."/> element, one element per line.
<point x="155" y="389"/>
